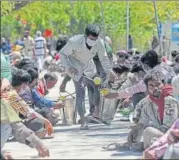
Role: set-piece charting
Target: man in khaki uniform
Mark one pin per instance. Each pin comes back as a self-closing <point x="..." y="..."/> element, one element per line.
<point x="28" y="45"/>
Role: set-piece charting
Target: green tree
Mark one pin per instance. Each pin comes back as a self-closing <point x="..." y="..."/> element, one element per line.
<point x="70" y="17"/>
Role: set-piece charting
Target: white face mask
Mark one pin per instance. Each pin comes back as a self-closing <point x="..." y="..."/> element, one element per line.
<point x="90" y="42"/>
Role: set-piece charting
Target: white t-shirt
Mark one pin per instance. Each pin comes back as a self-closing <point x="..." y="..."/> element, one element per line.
<point x="40" y="43"/>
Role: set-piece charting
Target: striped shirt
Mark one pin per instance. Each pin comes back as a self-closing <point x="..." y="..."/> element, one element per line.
<point x="40" y="43"/>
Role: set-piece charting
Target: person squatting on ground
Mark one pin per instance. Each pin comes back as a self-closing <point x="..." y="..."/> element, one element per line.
<point x="159" y="105"/>
<point x="149" y="61"/>
<point x="156" y="113"/>
<point x="40" y="125"/>
<point x="37" y="100"/>
<point x="167" y="146"/>
<point x="11" y="104"/>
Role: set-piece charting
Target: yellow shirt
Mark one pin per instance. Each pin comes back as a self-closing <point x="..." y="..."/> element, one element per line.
<point x="8" y="114"/>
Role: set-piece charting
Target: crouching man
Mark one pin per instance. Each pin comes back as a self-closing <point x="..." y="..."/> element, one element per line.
<point x="153" y="115"/>
<point x="159" y="110"/>
<point x="167" y="147"/>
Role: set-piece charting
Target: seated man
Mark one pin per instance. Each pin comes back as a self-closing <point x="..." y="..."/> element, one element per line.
<point x="10" y="122"/>
<point x="20" y="79"/>
<point x="122" y="57"/>
<point x="155" y="113"/>
<point x="150" y="61"/>
<point x="168" y="145"/>
<point x="159" y="110"/>
<point x="47" y="82"/>
<point x="43" y="105"/>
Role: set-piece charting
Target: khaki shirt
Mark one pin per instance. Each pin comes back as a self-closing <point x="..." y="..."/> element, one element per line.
<point x="29" y="45"/>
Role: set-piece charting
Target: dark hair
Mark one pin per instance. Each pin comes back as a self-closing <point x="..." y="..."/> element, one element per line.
<point x="50" y="77"/>
<point x="27" y="63"/>
<point x="137" y="67"/>
<point x="126" y="56"/>
<point x="153" y="75"/>
<point x="92" y="29"/>
<point x="174" y="54"/>
<point x="33" y="73"/>
<point x="137" y="57"/>
<point x="130" y="52"/>
<point x="19" y="77"/>
<point x="150" y="58"/>
<point x="138" y="52"/>
<point x="61" y="42"/>
<point x="121" y="69"/>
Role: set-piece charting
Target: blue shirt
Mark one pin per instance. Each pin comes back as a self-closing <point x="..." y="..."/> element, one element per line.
<point x="6" y="48"/>
<point x="41" y="101"/>
<point x="20" y="43"/>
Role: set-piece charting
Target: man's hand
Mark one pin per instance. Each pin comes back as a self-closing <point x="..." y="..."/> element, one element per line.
<point x="173" y="137"/>
<point x="126" y="102"/>
<point x="59" y="105"/>
<point x="48" y="127"/>
<point x="112" y="76"/>
<point x="7" y="156"/>
<point x="43" y="151"/>
<point x="175" y="132"/>
<point x="72" y="70"/>
<point x="149" y="154"/>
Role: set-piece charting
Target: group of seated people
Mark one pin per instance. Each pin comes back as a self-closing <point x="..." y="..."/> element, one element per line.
<point x="145" y="80"/>
<point x="26" y="113"/>
<point x="153" y="88"/>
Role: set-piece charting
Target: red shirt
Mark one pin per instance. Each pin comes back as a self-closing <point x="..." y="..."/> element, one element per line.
<point x="41" y="87"/>
<point x="57" y="57"/>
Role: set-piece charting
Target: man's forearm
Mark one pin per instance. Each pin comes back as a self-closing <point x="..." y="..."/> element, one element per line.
<point x="106" y="65"/>
<point x="66" y="79"/>
<point x="24" y="135"/>
<point x="129" y="92"/>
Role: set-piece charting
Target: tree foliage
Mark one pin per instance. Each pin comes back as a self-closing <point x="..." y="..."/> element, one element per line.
<point x="71" y="17"/>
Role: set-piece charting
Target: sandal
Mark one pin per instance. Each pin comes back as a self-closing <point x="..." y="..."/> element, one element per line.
<point x="112" y="147"/>
<point x="116" y="147"/>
